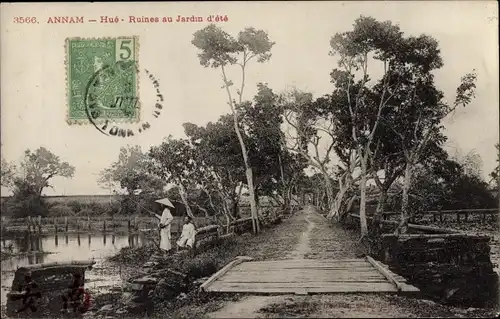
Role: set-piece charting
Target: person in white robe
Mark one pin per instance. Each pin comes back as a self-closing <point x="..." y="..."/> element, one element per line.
<point x="165" y="223"/>
<point x="188" y="234"/>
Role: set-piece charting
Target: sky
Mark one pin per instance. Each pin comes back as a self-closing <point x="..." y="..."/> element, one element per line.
<point x="33" y="70"/>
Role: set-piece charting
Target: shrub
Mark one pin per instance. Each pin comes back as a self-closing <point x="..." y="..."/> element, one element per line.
<point x="61" y="210"/>
<point x="87" y="212"/>
<point x="75" y="205"/>
<point x="26" y="201"/>
<point x="97" y="209"/>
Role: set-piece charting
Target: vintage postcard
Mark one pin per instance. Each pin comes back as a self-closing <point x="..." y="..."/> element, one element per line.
<point x="251" y="159"/>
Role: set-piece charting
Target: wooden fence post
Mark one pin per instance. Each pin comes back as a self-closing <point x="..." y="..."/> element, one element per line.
<point x="104" y="224"/>
<point x="129" y="224"/>
<point x="78" y="224"/>
<point x="89" y="224"/>
<point x="40" y="224"/>
<point x="66" y="223"/>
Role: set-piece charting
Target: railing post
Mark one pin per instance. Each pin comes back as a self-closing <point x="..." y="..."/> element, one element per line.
<point x="88" y="223"/>
<point x="39" y="224"/>
<point x="129" y="224"/>
<point x="66" y="223"/>
<point x="78" y="224"/>
<point x="104" y="225"/>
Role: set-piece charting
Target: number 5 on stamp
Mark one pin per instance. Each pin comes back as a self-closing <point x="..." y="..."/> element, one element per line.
<point x="102" y="80"/>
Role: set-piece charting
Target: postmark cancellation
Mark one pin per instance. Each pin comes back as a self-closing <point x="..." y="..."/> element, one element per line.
<point x="102" y="80"/>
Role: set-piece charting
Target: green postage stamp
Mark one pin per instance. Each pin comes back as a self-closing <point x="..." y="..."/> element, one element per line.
<point x="102" y="80"/>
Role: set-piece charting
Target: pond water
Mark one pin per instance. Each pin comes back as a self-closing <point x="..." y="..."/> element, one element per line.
<point x="63" y="248"/>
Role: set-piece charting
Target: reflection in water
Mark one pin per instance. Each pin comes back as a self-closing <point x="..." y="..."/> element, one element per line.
<point x="36" y="242"/>
<point x="133" y="240"/>
<point x="73" y="250"/>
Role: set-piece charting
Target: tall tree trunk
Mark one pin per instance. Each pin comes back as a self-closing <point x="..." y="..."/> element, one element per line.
<point x="236" y="201"/>
<point x="375" y="229"/>
<point x="182" y="193"/>
<point x="336" y="205"/>
<point x="405" y="214"/>
<point x="362" y="199"/>
<point x="382" y="198"/>
<point x="244" y="152"/>
<point x="328" y="191"/>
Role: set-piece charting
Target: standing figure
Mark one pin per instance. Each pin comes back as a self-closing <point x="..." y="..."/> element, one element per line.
<point x="29" y="294"/>
<point x="165" y="222"/>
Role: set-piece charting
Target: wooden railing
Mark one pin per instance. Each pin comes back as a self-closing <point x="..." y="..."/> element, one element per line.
<point x="439" y="215"/>
<point x="83" y="224"/>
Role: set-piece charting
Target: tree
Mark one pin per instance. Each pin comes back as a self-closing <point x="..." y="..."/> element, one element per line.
<point x="173" y="161"/>
<point x="444" y="183"/>
<point x="130" y="173"/>
<point x="306" y="130"/>
<point x="41" y="166"/>
<point x="495" y="175"/>
<point x="417" y="119"/>
<point x="28" y="182"/>
<point x="218" y="166"/>
<point x="471" y="163"/>
<point x="275" y="169"/>
<point x="218" y="50"/>
<point x="360" y="106"/>
<point x="405" y="99"/>
<point x="8" y="171"/>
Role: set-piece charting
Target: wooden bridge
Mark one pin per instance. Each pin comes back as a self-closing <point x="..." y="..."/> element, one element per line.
<point x="306" y="276"/>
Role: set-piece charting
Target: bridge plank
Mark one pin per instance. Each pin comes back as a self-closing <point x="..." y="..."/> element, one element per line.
<point x="383" y="286"/>
<point x="380" y="287"/>
<point x="302" y="273"/>
<point x="302" y="276"/>
<point x="299" y="280"/>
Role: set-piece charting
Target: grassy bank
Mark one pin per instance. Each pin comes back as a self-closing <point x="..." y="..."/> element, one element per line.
<point x="271" y="243"/>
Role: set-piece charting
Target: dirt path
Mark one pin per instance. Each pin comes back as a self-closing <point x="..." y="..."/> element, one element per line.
<point x="249" y="306"/>
<point x="304" y="247"/>
<point x="319" y="240"/>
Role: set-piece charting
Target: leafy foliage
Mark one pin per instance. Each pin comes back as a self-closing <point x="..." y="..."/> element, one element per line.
<point x="495" y="175"/>
<point x="28" y="182"/>
<point x="8" y="171"/>
<point x="41" y="166"/>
